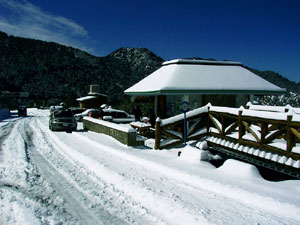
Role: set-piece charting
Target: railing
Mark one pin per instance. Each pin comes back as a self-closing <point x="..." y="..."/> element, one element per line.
<point x="169" y="132"/>
<point x="267" y="136"/>
<point x="277" y="132"/>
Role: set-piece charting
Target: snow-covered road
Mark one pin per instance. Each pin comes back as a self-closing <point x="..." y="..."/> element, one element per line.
<point x="89" y="178"/>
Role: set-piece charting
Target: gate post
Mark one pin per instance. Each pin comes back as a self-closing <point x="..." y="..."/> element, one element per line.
<point x="241" y="127"/>
<point x="157" y="133"/>
<point x="290" y="139"/>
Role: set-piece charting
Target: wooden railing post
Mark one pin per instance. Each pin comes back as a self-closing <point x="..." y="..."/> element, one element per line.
<point x="290" y="139"/>
<point x="263" y="132"/>
<point x="157" y="133"/>
<point x="207" y="120"/>
<point x="241" y="126"/>
<point x="223" y="125"/>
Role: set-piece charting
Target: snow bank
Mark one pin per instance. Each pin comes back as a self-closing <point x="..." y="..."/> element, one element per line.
<point x="239" y="169"/>
<point x="192" y="154"/>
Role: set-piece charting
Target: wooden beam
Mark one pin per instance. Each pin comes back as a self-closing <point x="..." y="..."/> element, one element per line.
<point x="214" y="122"/>
<point x="295" y="132"/>
<point x="232" y="127"/>
<point x="275" y="135"/>
<point x="251" y="131"/>
<point x="170" y="134"/>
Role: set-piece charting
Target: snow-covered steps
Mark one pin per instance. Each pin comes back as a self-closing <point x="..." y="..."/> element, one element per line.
<point x="255" y="152"/>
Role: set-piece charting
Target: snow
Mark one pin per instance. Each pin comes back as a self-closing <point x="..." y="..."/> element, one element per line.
<point x="201" y="78"/>
<point x="244" y="171"/>
<point x="265" y="115"/>
<point x="267" y="108"/>
<point x="180" y="117"/>
<point x="121" y="127"/>
<point x="195" y="61"/>
<point x="193" y="155"/>
<point x="86" y="98"/>
<point x="90" y="178"/>
<point x="233" y="111"/>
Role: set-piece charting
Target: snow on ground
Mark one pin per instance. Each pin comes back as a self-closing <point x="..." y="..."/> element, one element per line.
<point x="89" y="178"/>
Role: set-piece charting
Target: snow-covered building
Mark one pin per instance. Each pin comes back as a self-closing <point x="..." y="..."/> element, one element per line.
<point x="221" y="83"/>
<point x="94" y="99"/>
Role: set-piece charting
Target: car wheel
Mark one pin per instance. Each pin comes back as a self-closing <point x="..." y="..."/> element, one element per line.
<point x="51" y="128"/>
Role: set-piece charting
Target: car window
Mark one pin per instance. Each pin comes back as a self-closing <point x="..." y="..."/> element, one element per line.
<point x="63" y="114"/>
<point x="121" y="115"/>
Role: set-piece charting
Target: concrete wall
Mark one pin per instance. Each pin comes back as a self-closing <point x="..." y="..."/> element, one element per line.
<point x="125" y="136"/>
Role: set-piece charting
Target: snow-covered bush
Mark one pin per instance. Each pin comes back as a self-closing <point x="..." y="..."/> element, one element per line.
<point x="290" y="98"/>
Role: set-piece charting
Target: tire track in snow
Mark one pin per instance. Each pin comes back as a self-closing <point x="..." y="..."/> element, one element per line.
<point x="106" y="192"/>
<point x="76" y="198"/>
<point x="19" y="197"/>
<point x="136" y="210"/>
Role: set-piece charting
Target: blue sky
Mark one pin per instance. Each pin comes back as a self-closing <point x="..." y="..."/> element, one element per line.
<point x="261" y="34"/>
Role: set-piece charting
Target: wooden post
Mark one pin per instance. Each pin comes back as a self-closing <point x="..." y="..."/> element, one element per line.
<point x="290" y="139"/>
<point x="207" y="120"/>
<point x="263" y="132"/>
<point x="241" y="126"/>
<point x="157" y="133"/>
<point x="223" y="125"/>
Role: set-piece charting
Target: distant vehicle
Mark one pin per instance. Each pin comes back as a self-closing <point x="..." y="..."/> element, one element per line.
<point x="79" y="116"/>
<point x="54" y="108"/>
<point x="107" y="114"/>
<point x="76" y="110"/>
<point x="22" y="110"/>
<point x="116" y="116"/>
<point x="62" y="120"/>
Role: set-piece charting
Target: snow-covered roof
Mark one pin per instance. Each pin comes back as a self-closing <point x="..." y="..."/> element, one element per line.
<point x="182" y="76"/>
<point x="86" y="98"/>
<point x="91" y="96"/>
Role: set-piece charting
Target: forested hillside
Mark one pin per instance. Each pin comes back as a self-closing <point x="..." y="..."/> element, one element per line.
<point x="52" y="73"/>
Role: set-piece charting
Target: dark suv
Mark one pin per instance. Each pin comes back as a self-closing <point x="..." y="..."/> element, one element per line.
<point x="62" y="120"/>
<point x="22" y="110"/>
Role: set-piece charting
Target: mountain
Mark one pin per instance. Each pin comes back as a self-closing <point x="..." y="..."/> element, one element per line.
<point x="49" y="72"/>
<point x="278" y="80"/>
<point x="52" y="73"/>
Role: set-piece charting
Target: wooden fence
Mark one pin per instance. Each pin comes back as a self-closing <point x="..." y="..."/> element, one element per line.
<point x="274" y="132"/>
<point x="169" y="132"/>
<point x="263" y="134"/>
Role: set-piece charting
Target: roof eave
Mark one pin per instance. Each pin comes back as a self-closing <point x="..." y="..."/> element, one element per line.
<point x="228" y="92"/>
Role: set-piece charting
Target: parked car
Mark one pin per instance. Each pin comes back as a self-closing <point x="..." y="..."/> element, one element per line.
<point x="76" y="110"/>
<point x="107" y="114"/>
<point x="55" y="108"/>
<point x="22" y="110"/>
<point x="62" y="120"/>
<point x="116" y="116"/>
<point x="79" y="116"/>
